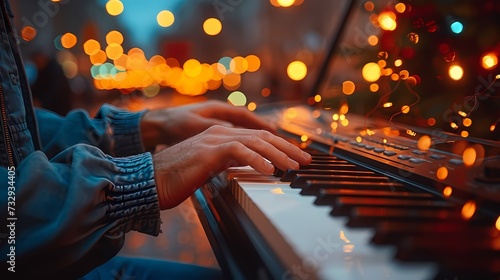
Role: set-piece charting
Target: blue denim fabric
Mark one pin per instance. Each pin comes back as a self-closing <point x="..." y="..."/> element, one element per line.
<point x="127" y="268"/>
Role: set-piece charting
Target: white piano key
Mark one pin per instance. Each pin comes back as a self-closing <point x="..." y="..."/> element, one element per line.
<point x="311" y="243"/>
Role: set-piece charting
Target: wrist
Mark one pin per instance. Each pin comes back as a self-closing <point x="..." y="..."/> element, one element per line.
<point x="150" y="131"/>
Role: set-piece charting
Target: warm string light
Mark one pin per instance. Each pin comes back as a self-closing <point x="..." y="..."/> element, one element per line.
<point x="475" y="97"/>
<point x="467" y="121"/>
<point x="407" y="107"/>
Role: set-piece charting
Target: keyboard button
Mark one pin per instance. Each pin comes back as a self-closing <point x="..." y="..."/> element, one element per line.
<point x="417" y="160"/>
<point x="379" y="150"/>
<point x="404" y="157"/>
<point x="436" y="156"/>
<point x="419" y="152"/>
<point x="456" y="161"/>
<point x="369" y="147"/>
<point x="389" y="153"/>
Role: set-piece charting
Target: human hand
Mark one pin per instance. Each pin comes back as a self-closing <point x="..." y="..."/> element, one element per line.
<point x="171" y="125"/>
<point x="184" y="167"/>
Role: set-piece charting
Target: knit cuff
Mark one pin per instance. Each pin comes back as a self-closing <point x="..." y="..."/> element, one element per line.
<point x="133" y="200"/>
<point x="124" y="128"/>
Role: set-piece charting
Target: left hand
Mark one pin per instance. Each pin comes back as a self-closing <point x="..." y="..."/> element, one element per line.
<point x="172" y="125"/>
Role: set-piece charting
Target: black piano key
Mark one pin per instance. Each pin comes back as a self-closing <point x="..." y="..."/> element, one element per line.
<point x="290" y="174"/>
<point x="470" y="268"/>
<point x="316" y="153"/>
<point x="372" y="216"/>
<point x="445" y="248"/>
<point x="388" y="232"/>
<point x="331" y="166"/>
<point x="322" y="156"/>
<point x="342" y="206"/>
<point x="328" y="196"/>
<point x="278" y="172"/>
<point x="301" y="179"/>
<point x="321" y="166"/>
<point x="328" y="161"/>
<point x="312" y="187"/>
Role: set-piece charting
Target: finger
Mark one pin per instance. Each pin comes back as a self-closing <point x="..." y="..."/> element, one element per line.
<point x="267" y="138"/>
<point x="239" y="116"/>
<point x="208" y="122"/>
<point x="246" y="156"/>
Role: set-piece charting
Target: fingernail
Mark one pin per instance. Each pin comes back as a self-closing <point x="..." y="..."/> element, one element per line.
<point x="293" y="164"/>
<point x="306" y="156"/>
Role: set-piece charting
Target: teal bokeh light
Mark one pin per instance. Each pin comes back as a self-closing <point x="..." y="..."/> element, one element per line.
<point x="457" y="27"/>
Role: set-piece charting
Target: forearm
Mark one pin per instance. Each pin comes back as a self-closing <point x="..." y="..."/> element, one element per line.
<point x="114" y="131"/>
<point x="73" y="211"/>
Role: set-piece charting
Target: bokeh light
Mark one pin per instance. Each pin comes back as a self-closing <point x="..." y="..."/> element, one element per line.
<point x="373" y="40"/>
<point x="456" y="72"/>
<point x="424" y="143"/>
<point x="237" y="98"/>
<point x="469" y="156"/>
<point x="212" y="26"/>
<point x="286" y="3"/>
<point x="489" y="60"/>
<point x="387" y="21"/>
<point x="468" y="210"/>
<point x="114" y="7"/>
<point x="371" y="72"/>
<point x="28" y="33"/>
<point x="400" y="7"/>
<point x="91" y="47"/>
<point x="165" y="18"/>
<point x="253" y="63"/>
<point x="405" y="109"/>
<point x="68" y="40"/>
<point x="442" y="173"/>
<point x="447" y="191"/>
<point x="115" y="37"/>
<point x="297" y="70"/>
<point x="348" y="87"/>
<point x="457" y="27"/>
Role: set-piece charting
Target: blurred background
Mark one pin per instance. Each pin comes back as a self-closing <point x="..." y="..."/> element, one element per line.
<point x="155" y="53"/>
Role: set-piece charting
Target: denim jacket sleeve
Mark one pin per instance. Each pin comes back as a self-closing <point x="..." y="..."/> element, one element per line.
<point x="114" y="131"/>
<point x="73" y="203"/>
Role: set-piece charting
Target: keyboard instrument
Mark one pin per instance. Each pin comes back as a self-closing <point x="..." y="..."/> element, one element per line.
<point x="382" y="205"/>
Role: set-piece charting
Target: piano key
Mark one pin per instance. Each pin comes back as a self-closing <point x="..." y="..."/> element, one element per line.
<point x="327" y="196"/>
<point x="323" y="247"/>
<point x="387" y="232"/>
<point x="372" y="216"/>
<point x="342" y="206"/>
<point x="328" y="161"/>
<point x="312" y="187"/>
<point x="331" y="166"/>
<point x="444" y="247"/>
<point x="300" y="179"/>
<point x="290" y="174"/>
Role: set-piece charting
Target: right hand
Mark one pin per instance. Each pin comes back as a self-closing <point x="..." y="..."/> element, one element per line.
<point x="184" y="167"/>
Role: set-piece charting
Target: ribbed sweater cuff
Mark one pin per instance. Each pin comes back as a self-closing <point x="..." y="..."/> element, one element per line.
<point x="133" y="200"/>
<point x="126" y="136"/>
